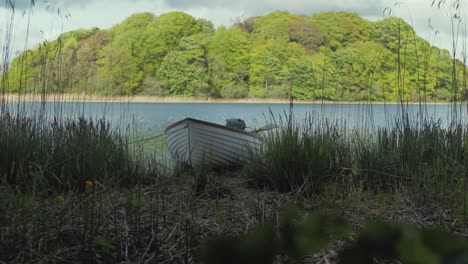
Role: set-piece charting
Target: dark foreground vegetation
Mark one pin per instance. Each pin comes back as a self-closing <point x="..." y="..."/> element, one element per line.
<point x="77" y="191"/>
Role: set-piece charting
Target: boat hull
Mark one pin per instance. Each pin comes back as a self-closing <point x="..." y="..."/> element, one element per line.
<point x="195" y="142"/>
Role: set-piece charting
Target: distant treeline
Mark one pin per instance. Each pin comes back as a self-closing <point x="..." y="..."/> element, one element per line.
<point x="329" y="55"/>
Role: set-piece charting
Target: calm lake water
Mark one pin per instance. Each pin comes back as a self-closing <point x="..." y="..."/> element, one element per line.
<point x="143" y="120"/>
<point x="153" y="117"/>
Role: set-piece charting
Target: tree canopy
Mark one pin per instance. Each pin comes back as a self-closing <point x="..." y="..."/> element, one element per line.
<point x="328" y="55"/>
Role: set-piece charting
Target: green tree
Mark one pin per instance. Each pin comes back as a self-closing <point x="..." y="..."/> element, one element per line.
<point x="325" y="75"/>
<point x="270" y="66"/>
<point x="305" y="81"/>
<point x="392" y="33"/>
<point x="341" y="28"/>
<point x="307" y="34"/>
<point x="163" y="34"/>
<point x="229" y="58"/>
<point x="274" y="26"/>
<point x="179" y="76"/>
<point x="85" y="69"/>
<point x="206" y="26"/>
<point x="131" y="34"/>
<point x="329" y="55"/>
<point x="119" y="68"/>
<point x="359" y="67"/>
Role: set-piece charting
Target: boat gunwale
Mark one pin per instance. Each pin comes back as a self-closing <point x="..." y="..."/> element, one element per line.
<point x="247" y="133"/>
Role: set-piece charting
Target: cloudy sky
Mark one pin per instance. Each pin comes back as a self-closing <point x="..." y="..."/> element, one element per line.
<point x="49" y="18"/>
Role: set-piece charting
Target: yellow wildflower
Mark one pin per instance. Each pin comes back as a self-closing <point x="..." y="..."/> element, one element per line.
<point x="60" y="198"/>
<point x="89" y="183"/>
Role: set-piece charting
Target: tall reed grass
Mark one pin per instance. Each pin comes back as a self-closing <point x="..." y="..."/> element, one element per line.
<point x="38" y="155"/>
<point x="427" y="160"/>
<point x="299" y="155"/>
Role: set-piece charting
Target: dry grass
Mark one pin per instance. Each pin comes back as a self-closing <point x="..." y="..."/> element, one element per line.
<point x="166" y="222"/>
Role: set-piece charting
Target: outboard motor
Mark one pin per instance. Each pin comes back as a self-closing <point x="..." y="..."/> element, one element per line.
<point x="236" y="123"/>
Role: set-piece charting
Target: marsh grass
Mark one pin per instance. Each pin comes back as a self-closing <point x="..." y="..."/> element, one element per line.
<point x="427" y="160"/>
<point x="298" y="156"/>
<point x="41" y="156"/>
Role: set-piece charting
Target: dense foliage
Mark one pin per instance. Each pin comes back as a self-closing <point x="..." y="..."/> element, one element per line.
<point x="329" y="55"/>
<point x="294" y="239"/>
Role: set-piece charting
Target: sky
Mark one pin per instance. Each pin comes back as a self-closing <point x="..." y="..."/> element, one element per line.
<point x="50" y="18"/>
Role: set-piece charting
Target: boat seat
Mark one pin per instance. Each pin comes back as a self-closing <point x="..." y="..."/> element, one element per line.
<point x="236" y="123"/>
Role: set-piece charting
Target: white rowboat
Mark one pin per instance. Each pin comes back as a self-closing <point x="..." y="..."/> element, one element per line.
<point x="195" y="142"/>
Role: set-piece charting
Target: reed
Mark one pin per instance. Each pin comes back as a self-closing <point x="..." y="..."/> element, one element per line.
<point x="62" y="155"/>
<point x="427" y="160"/>
<point x="299" y="155"/>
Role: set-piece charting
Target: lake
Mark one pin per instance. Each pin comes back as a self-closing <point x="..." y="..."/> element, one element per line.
<point x="153" y="117"/>
<point x="144" y="120"/>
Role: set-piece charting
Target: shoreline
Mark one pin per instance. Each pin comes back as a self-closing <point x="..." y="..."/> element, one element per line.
<point x="79" y="98"/>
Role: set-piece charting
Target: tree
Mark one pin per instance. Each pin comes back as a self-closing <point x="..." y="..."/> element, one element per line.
<point x="329" y="55"/>
<point x="85" y="67"/>
<point x="181" y="77"/>
<point x="341" y="28"/>
<point x="229" y="59"/>
<point x="392" y="33"/>
<point x="270" y="65"/>
<point x="325" y="75"/>
<point x="305" y="81"/>
<point x="307" y="34"/>
<point x="206" y="26"/>
<point x="78" y="34"/>
<point x="130" y="35"/>
<point x="120" y="69"/>
<point x="163" y="34"/>
<point x="194" y="49"/>
<point x="246" y="25"/>
<point x="274" y="26"/>
<point x="264" y="71"/>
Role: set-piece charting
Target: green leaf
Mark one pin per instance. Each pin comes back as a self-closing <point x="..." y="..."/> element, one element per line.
<point x="442" y="242"/>
<point x="259" y="246"/>
<point x="316" y="231"/>
<point x="413" y="251"/>
<point x="104" y="243"/>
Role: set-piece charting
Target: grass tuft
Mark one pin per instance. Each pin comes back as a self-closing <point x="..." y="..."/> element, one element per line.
<point x="58" y="156"/>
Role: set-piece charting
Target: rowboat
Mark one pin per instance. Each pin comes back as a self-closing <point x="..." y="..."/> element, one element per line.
<point x="194" y="142"/>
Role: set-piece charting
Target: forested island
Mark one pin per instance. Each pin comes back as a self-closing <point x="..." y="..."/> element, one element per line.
<point x="336" y="56"/>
